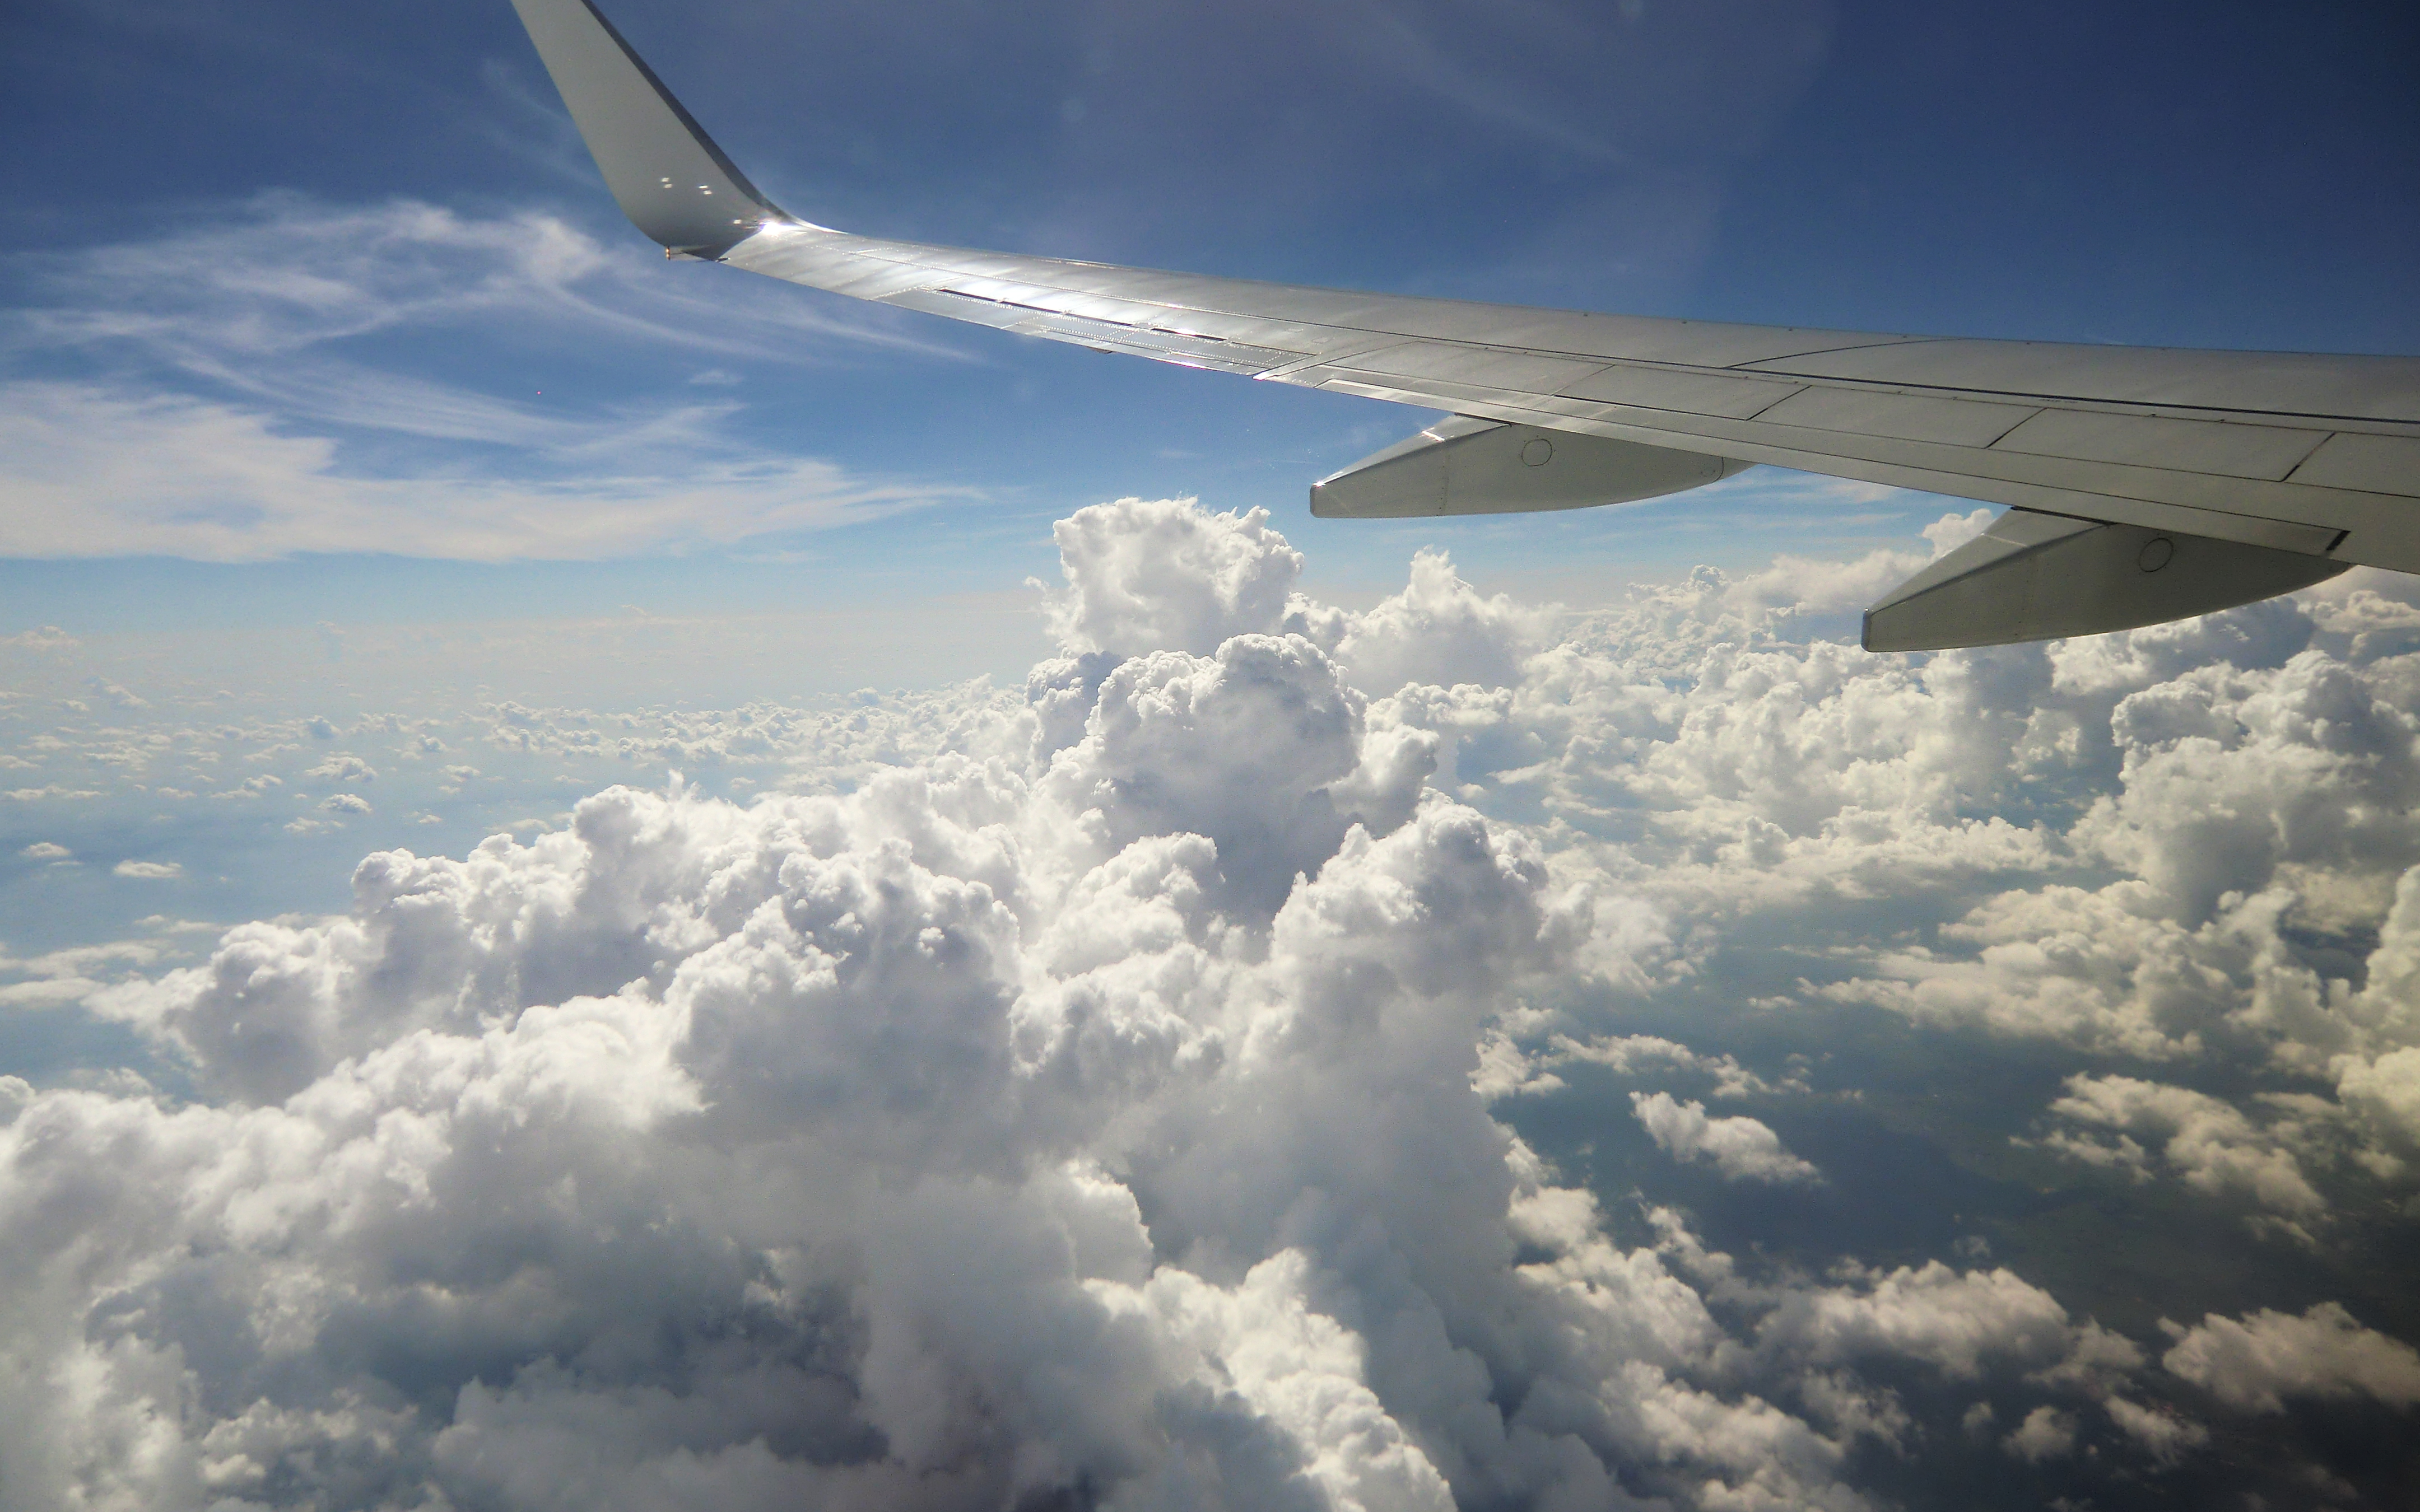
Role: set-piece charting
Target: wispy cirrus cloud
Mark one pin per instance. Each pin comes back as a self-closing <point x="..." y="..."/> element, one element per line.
<point x="249" y="388"/>
<point x="284" y="274"/>
<point x="95" y="469"/>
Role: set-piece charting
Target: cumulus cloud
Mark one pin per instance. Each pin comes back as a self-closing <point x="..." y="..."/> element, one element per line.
<point x="2046" y="1433"/>
<point x="2254" y="1362"/>
<point x="832" y="1083"/>
<point x="1637" y="1055"/>
<point x="1743" y="1149"/>
<point x="2211" y="1144"/>
<point x="1440" y="632"/>
<point x="872" y="1057"/>
<point x="2192" y="842"/>
<point x="45" y="638"/>
<point x="115" y="694"/>
<point x="1959" y="1323"/>
<point x="1161" y="575"/>
<point x="44" y="850"/>
<point x="343" y="767"/>
<point x="152" y="871"/>
<point x="1082" y="1091"/>
<point x="2167" y="1435"/>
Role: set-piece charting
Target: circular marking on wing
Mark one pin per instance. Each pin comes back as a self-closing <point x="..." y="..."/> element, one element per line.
<point x="2157" y="553"/>
<point x="1537" y="452"/>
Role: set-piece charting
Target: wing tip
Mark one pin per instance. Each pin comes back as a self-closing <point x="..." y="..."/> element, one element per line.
<point x="670" y="177"/>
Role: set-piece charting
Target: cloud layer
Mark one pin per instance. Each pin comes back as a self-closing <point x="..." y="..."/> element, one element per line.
<point x="1104" y="1095"/>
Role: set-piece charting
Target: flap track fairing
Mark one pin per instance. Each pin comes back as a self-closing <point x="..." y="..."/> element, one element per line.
<point x="1466" y="465"/>
<point x="2036" y="577"/>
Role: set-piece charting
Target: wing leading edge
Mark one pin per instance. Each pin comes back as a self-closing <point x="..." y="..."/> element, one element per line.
<point x="2299" y="457"/>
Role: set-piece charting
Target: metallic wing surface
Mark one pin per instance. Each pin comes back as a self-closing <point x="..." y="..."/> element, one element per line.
<point x="2216" y="478"/>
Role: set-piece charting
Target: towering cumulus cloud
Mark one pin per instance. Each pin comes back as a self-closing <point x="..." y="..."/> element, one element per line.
<point x="1101" y="1111"/>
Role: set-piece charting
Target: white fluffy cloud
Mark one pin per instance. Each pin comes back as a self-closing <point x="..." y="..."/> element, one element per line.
<point x="1961" y="1322"/>
<point x="2211" y="1144"/>
<point x="45" y="638"/>
<point x="2195" y="840"/>
<point x="803" y="1151"/>
<point x="2046" y="1433"/>
<point x="794" y="1075"/>
<point x="1162" y="575"/>
<point x="1744" y="1150"/>
<point x="1085" y="1093"/>
<point x="1640" y="1055"/>
<point x="2257" y="1362"/>
<point x="1438" y="631"/>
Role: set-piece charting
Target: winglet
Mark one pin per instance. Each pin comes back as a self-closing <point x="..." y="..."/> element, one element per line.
<point x="667" y="173"/>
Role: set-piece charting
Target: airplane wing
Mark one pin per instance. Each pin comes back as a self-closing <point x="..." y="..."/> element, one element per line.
<point x="2143" y="483"/>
